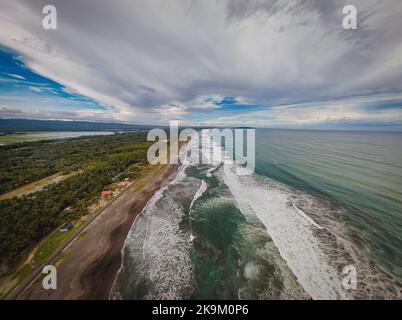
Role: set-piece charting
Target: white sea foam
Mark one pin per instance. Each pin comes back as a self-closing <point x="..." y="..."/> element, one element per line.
<point x="114" y="292"/>
<point x="251" y="271"/>
<point x="161" y="250"/>
<point x="297" y="223"/>
<point x="291" y="232"/>
<point x="211" y="171"/>
<point x="203" y="187"/>
<point x="305" y="216"/>
<point x="156" y="243"/>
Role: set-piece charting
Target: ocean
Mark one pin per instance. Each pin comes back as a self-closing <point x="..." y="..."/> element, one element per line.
<point x="318" y="202"/>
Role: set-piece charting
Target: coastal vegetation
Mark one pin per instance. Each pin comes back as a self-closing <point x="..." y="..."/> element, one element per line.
<point x="10" y="138"/>
<point x="15" y="126"/>
<point x="90" y="163"/>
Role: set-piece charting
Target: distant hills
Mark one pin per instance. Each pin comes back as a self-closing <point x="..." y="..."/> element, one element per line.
<point x="27" y="125"/>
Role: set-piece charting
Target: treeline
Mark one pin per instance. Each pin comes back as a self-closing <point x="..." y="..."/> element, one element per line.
<point x="24" y="221"/>
<point x="28" y="125"/>
<point x="27" y="162"/>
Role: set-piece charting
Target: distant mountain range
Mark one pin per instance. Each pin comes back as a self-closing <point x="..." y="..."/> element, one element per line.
<point x="27" y="125"/>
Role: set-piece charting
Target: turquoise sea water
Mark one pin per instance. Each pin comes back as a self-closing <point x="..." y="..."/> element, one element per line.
<point x="318" y="201"/>
<point x="361" y="171"/>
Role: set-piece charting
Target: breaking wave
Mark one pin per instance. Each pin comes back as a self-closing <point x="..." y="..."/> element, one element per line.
<point x="211" y="233"/>
<point x="311" y="237"/>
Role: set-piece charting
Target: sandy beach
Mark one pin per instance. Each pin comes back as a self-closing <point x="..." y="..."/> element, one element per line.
<point x="89" y="265"/>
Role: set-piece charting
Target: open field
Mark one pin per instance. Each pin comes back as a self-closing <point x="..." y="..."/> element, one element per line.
<point x="35" y="258"/>
<point x="35" y="136"/>
<point x="10" y="138"/>
<point x="36" y="186"/>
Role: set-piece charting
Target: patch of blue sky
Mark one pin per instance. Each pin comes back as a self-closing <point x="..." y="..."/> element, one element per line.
<point x="382" y="105"/>
<point x="232" y="104"/>
<point x="226" y="106"/>
<point x="20" y="85"/>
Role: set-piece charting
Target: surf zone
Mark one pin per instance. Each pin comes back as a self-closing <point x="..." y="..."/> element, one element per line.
<point x="208" y="146"/>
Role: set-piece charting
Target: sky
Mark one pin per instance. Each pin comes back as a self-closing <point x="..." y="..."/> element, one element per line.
<point x="264" y="63"/>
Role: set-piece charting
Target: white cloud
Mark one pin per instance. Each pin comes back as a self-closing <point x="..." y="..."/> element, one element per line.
<point x="151" y="61"/>
<point x="16" y="76"/>
<point x="350" y="110"/>
<point x="36" y="89"/>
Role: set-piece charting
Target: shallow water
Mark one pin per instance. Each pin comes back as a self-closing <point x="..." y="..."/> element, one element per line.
<point x="359" y="171"/>
<point x="317" y="203"/>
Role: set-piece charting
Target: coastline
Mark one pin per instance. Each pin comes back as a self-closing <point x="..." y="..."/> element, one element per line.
<point x="96" y="257"/>
<point x="306" y="233"/>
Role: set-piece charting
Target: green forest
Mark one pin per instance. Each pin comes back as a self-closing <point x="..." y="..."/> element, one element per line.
<point x="99" y="161"/>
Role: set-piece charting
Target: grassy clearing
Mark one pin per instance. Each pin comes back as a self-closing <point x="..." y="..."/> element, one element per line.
<point x="36" y="186"/>
<point x="41" y="253"/>
<point x="52" y="242"/>
<point x="8" y="283"/>
<point x="10" y="138"/>
<point x="31" y="132"/>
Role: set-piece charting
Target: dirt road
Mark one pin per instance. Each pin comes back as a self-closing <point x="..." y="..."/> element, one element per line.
<point x="90" y="263"/>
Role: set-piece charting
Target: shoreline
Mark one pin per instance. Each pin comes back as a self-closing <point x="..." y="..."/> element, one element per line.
<point x="96" y="258"/>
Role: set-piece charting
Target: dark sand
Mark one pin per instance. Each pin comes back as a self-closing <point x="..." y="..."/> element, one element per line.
<point x="90" y="264"/>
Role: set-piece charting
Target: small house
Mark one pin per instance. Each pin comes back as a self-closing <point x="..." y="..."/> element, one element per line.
<point x="105" y="193"/>
<point x="66" y="227"/>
